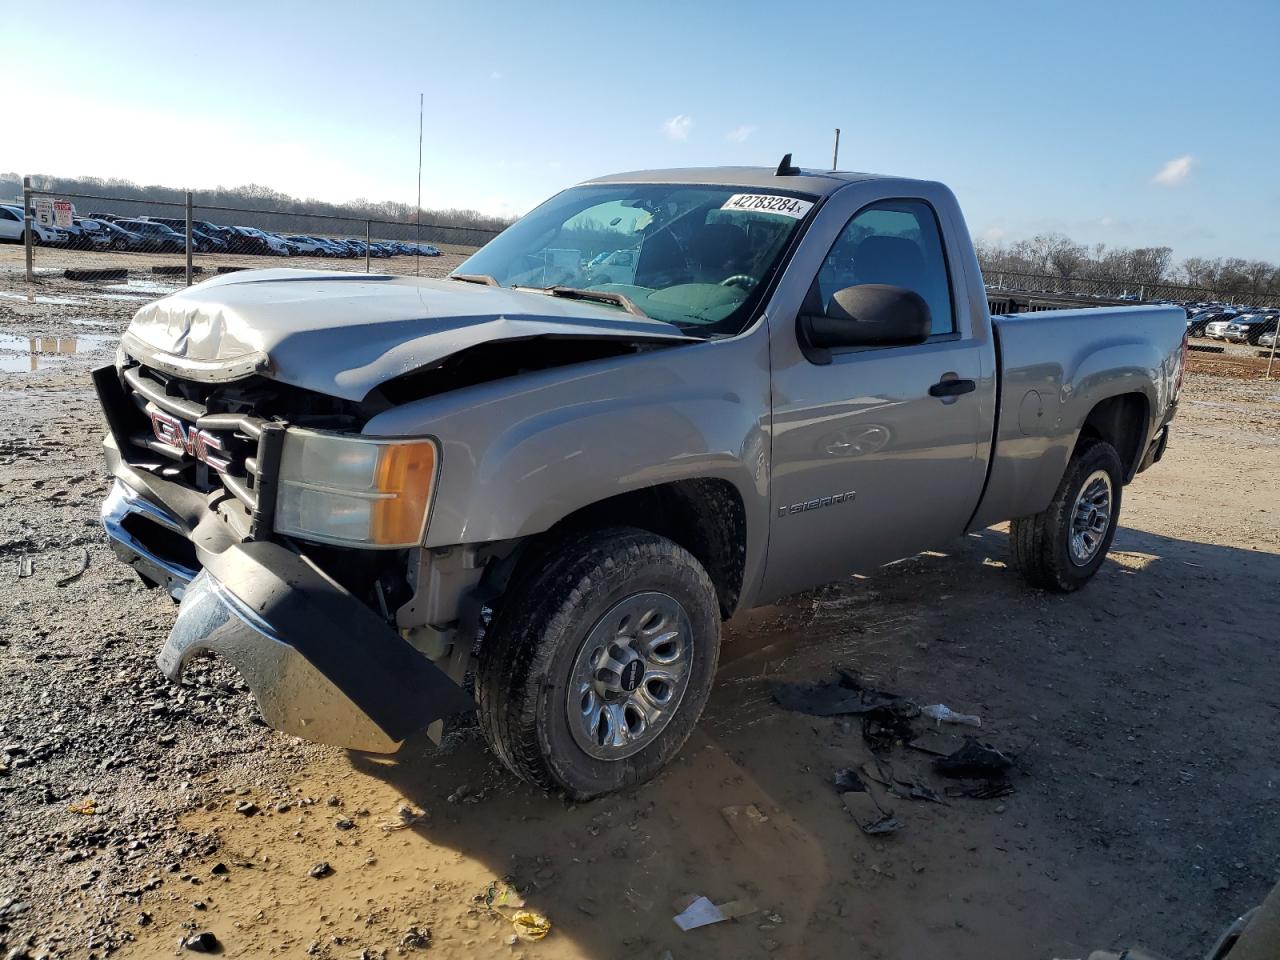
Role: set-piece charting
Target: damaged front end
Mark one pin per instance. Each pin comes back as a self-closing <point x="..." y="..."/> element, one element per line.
<point x="309" y="626"/>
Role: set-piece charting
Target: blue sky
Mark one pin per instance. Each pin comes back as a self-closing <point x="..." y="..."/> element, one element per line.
<point x="1040" y="116"/>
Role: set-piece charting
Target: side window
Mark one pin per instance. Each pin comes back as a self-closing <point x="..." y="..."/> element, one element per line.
<point x="896" y="242"/>
<point x="7" y="214"/>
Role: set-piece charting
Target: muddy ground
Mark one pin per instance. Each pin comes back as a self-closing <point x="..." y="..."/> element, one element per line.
<point x="1143" y="713"/>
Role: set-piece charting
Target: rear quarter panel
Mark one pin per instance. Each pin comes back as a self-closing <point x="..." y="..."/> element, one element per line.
<point x="1056" y="367"/>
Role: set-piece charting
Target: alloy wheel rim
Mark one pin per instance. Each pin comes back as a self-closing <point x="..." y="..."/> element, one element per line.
<point x="1090" y="518"/>
<point x="630" y="675"/>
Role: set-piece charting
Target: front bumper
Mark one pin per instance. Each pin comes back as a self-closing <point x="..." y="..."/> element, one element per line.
<point x="320" y="663"/>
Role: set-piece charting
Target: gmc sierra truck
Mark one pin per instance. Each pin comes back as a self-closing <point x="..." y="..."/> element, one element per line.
<point x="536" y="490"/>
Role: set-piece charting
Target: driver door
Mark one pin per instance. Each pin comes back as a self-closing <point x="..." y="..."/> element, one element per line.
<point x="869" y="466"/>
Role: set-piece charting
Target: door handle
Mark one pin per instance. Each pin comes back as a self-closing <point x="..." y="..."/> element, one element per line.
<point x="952" y="388"/>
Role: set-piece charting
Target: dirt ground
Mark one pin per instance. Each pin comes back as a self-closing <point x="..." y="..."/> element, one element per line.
<point x="1142" y="711"/>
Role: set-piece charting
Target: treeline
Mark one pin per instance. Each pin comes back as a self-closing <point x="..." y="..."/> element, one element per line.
<point x="1055" y="255"/>
<point x="279" y="211"/>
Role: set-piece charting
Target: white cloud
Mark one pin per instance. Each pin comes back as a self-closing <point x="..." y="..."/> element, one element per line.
<point x="497" y="75"/>
<point x="741" y="133"/>
<point x="1175" y="171"/>
<point x="677" y="128"/>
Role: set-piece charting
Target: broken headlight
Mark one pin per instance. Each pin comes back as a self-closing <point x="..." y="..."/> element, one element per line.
<point x="355" y="491"/>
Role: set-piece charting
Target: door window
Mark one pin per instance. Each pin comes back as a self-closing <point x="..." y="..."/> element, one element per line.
<point x="896" y="242"/>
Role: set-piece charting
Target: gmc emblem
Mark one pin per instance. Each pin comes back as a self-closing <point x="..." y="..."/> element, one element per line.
<point x="201" y="444"/>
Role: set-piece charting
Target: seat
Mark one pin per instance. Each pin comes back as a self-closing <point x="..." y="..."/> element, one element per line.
<point x="892" y="260"/>
<point x="719" y="250"/>
<point x="660" y="262"/>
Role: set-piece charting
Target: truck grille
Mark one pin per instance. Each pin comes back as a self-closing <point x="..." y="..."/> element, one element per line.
<point x="183" y="440"/>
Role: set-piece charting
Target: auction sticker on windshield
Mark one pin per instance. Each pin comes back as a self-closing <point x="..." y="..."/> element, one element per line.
<point x="767" y="203"/>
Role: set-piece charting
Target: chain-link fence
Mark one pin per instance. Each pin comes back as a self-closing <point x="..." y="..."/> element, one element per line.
<point x="1121" y="290"/>
<point x="87" y="236"/>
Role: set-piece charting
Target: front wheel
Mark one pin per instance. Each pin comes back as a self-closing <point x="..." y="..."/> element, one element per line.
<point x="1061" y="548"/>
<point x="598" y="662"/>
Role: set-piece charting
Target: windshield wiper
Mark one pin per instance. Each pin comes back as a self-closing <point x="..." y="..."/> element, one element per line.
<point x="601" y="296"/>
<point x="481" y="278"/>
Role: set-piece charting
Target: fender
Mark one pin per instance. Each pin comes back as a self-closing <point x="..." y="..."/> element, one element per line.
<point x="518" y="455"/>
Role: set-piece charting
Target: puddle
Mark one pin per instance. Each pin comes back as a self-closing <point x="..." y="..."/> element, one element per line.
<point x="104" y="324"/>
<point x="28" y="354"/>
<point x="144" y="286"/>
<point x="40" y="298"/>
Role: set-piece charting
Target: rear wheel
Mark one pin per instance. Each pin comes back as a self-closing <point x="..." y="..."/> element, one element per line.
<point x="1061" y="548"/>
<point x="598" y="662"/>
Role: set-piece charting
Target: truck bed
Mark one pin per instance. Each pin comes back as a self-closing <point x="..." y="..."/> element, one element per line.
<point x="1056" y="366"/>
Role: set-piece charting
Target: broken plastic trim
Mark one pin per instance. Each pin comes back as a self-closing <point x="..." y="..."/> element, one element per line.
<point x="321" y="665"/>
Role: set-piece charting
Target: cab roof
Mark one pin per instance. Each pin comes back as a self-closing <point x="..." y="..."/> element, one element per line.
<point x="816" y="182"/>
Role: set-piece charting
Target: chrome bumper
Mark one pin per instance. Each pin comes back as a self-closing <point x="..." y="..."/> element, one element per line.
<point x="121" y="504"/>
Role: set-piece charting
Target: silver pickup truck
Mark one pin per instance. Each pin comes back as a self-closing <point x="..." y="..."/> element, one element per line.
<point x="367" y="490"/>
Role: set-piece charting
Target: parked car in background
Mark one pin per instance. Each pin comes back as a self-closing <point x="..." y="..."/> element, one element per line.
<point x="242" y="240"/>
<point x="1197" y="323"/>
<point x="121" y="239"/>
<point x="1216" y="329"/>
<point x="106" y="217"/>
<point x="335" y="247"/>
<point x="213" y="230"/>
<point x="12" y="229"/>
<point x="308" y="246"/>
<point x="429" y="249"/>
<point x="618" y="267"/>
<point x="94" y="232"/>
<point x="1268" y="339"/>
<point x="156" y="237"/>
<point x="1248" y="328"/>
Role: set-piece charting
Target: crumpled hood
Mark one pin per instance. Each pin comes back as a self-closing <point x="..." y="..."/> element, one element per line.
<point x="343" y="334"/>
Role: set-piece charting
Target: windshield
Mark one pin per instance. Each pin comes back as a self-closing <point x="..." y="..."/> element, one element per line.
<point x="693" y="255"/>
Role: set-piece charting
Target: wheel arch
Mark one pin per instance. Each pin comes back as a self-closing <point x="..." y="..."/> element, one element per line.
<point x="1121" y="421"/>
<point x="704" y="515"/>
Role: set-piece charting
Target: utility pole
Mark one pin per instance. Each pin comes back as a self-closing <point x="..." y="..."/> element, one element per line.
<point x="835" y="153"/>
<point x="417" y="223"/>
<point x="29" y="225"/>
<point x="188" y="238"/>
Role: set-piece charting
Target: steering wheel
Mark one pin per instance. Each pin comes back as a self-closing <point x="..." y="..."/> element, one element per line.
<point x="739" y="280"/>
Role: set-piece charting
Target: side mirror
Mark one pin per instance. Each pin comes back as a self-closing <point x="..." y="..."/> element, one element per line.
<point x="866" y="315"/>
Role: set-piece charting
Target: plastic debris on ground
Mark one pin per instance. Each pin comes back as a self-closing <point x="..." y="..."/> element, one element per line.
<point x="701" y="912"/>
<point x="868" y="815"/>
<point x="86" y="807"/>
<point x="944" y="714"/>
<point x="406" y="816"/>
<point x="502" y="894"/>
<point x="531" y="926"/>
<point x="975" y="761"/>
<point x="834" y="698"/>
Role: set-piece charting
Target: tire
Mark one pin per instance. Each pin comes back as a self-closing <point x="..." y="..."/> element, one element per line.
<point x="1042" y="546"/>
<point x="576" y="596"/>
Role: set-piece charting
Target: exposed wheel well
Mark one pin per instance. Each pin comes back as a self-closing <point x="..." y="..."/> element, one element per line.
<point x="705" y="516"/>
<point x="1122" y="422"/>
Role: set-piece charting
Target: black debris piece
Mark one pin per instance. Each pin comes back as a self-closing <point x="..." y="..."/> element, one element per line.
<point x="868" y="814"/>
<point x="834" y="698"/>
<point x="847" y="780"/>
<point x="991" y="790"/>
<point x="974" y="760"/>
<point x="204" y="942"/>
<point x="882" y="731"/>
